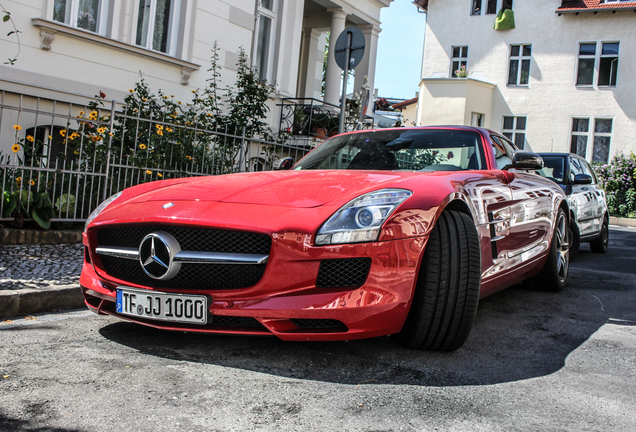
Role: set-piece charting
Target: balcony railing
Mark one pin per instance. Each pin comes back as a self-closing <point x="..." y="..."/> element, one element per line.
<point x="313" y="118"/>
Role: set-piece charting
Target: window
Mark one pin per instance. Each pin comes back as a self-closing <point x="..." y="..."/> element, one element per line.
<point x="89" y="15"/>
<point x="503" y="151"/>
<point x="600" y="135"/>
<point x="514" y="128"/>
<point x="477" y="119"/>
<point x="265" y="25"/>
<point x="519" y="70"/>
<point x="607" y="59"/>
<point x="158" y="25"/>
<point x="478" y="6"/>
<point x="459" y="59"/>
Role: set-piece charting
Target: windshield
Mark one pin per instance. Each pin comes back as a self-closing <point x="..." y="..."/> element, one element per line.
<point x="407" y="149"/>
<point x="553" y="168"/>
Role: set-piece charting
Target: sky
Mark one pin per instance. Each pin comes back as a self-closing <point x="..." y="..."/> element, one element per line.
<point x="399" y="59"/>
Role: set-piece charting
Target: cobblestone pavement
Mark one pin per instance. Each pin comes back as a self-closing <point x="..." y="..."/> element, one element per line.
<point x="40" y="266"/>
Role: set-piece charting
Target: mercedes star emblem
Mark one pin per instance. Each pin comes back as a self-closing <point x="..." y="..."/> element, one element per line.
<point x="156" y="255"/>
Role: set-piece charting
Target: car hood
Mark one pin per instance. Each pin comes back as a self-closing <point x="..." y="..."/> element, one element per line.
<point x="296" y="189"/>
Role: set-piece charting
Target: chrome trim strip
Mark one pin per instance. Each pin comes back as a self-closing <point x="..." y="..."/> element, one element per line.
<point x="219" y="258"/>
<point x="192" y="257"/>
<point x="494" y="239"/>
<point x="121" y="252"/>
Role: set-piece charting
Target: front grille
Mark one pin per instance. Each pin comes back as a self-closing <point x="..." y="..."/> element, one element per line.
<point x="191" y="275"/>
<point x="190" y="239"/>
<point x="345" y="273"/>
<point x="319" y="324"/>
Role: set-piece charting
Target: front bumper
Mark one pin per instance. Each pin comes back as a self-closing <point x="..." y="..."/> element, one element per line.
<point x="286" y="302"/>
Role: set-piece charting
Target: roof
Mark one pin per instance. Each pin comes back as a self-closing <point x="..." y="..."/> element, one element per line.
<point x="576" y="6"/>
<point x="405" y="103"/>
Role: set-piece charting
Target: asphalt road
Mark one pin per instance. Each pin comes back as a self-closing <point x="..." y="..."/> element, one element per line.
<point x="534" y="362"/>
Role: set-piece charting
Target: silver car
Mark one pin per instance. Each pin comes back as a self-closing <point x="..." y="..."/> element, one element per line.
<point x="589" y="219"/>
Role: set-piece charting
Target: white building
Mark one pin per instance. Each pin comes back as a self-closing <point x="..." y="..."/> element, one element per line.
<point x="558" y="81"/>
<point x="70" y="49"/>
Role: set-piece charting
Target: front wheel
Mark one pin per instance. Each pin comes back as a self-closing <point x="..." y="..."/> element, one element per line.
<point x="600" y="243"/>
<point x="447" y="291"/>
<point x="554" y="273"/>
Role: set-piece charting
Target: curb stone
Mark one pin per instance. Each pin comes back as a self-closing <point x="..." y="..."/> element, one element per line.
<point x="32" y="301"/>
<point x="613" y="220"/>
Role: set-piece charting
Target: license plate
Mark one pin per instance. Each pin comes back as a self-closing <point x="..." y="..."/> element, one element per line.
<point x="162" y="306"/>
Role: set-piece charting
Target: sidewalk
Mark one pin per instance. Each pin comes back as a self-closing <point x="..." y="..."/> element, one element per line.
<point x="39" y="278"/>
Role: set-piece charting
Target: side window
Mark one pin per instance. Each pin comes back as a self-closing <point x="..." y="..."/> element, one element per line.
<point x="587" y="169"/>
<point x="264" y="38"/>
<point x="575" y="168"/>
<point x="158" y="25"/>
<point x="503" y="151"/>
<point x="88" y="15"/>
<point x="459" y="61"/>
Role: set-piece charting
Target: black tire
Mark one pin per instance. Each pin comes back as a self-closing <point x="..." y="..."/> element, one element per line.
<point x="447" y="291"/>
<point x="600" y="243"/>
<point x="574" y="237"/>
<point x="554" y="274"/>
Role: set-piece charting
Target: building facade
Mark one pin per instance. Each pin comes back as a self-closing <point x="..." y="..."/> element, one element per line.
<point x="70" y="49"/>
<point x="553" y="75"/>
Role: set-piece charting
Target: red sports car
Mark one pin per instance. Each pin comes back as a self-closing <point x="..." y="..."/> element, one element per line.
<point x="394" y="231"/>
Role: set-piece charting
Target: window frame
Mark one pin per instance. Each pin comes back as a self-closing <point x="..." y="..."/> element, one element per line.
<point x="172" y="44"/>
<point x="515" y="131"/>
<point x="591" y="134"/>
<point x="271" y="14"/>
<point x="461" y="60"/>
<point x="483" y="7"/>
<point x="519" y="59"/>
<point x="597" y="57"/>
<point x="102" y="21"/>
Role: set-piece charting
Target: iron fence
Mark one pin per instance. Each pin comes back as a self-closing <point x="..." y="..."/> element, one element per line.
<point x="60" y="159"/>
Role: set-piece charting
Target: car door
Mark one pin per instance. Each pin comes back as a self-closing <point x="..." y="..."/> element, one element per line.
<point x="597" y="198"/>
<point x="530" y="211"/>
<point x="585" y="199"/>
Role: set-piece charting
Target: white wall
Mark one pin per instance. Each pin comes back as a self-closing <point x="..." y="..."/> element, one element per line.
<point x="551" y="99"/>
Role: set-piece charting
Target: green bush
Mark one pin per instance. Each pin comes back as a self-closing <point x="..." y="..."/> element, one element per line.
<point x="618" y="178"/>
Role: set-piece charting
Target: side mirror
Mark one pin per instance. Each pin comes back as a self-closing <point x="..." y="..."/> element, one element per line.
<point x="283" y="164"/>
<point x="582" y="179"/>
<point x="523" y="160"/>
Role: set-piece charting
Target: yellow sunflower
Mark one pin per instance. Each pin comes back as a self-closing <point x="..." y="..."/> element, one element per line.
<point x="15" y="148"/>
<point x="159" y="127"/>
<point x="17" y="127"/>
<point x="101" y="130"/>
<point x="18" y="179"/>
<point x="148" y="172"/>
<point x="50" y="137"/>
<point x="95" y="137"/>
<point x="188" y="157"/>
<point x="142" y="146"/>
<point x="168" y="129"/>
<point x="160" y="132"/>
<point x="30" y="138"/>
<point x="32" y="182"/>
<point x="63" y="132"/>
<point x="159" y="175"/>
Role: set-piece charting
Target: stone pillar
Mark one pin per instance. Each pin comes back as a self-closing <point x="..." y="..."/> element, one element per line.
<point x="367" y="65"/>
<point x="333" y="75"/>
<point x="310" y="77"/>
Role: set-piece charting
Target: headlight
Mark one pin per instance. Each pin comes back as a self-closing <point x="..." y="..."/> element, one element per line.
<point x="100" y="208"/>
<point x="361" y="219"/>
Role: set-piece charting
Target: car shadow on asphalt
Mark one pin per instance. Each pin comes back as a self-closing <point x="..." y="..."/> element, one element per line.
<point x="518" y="334"/>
